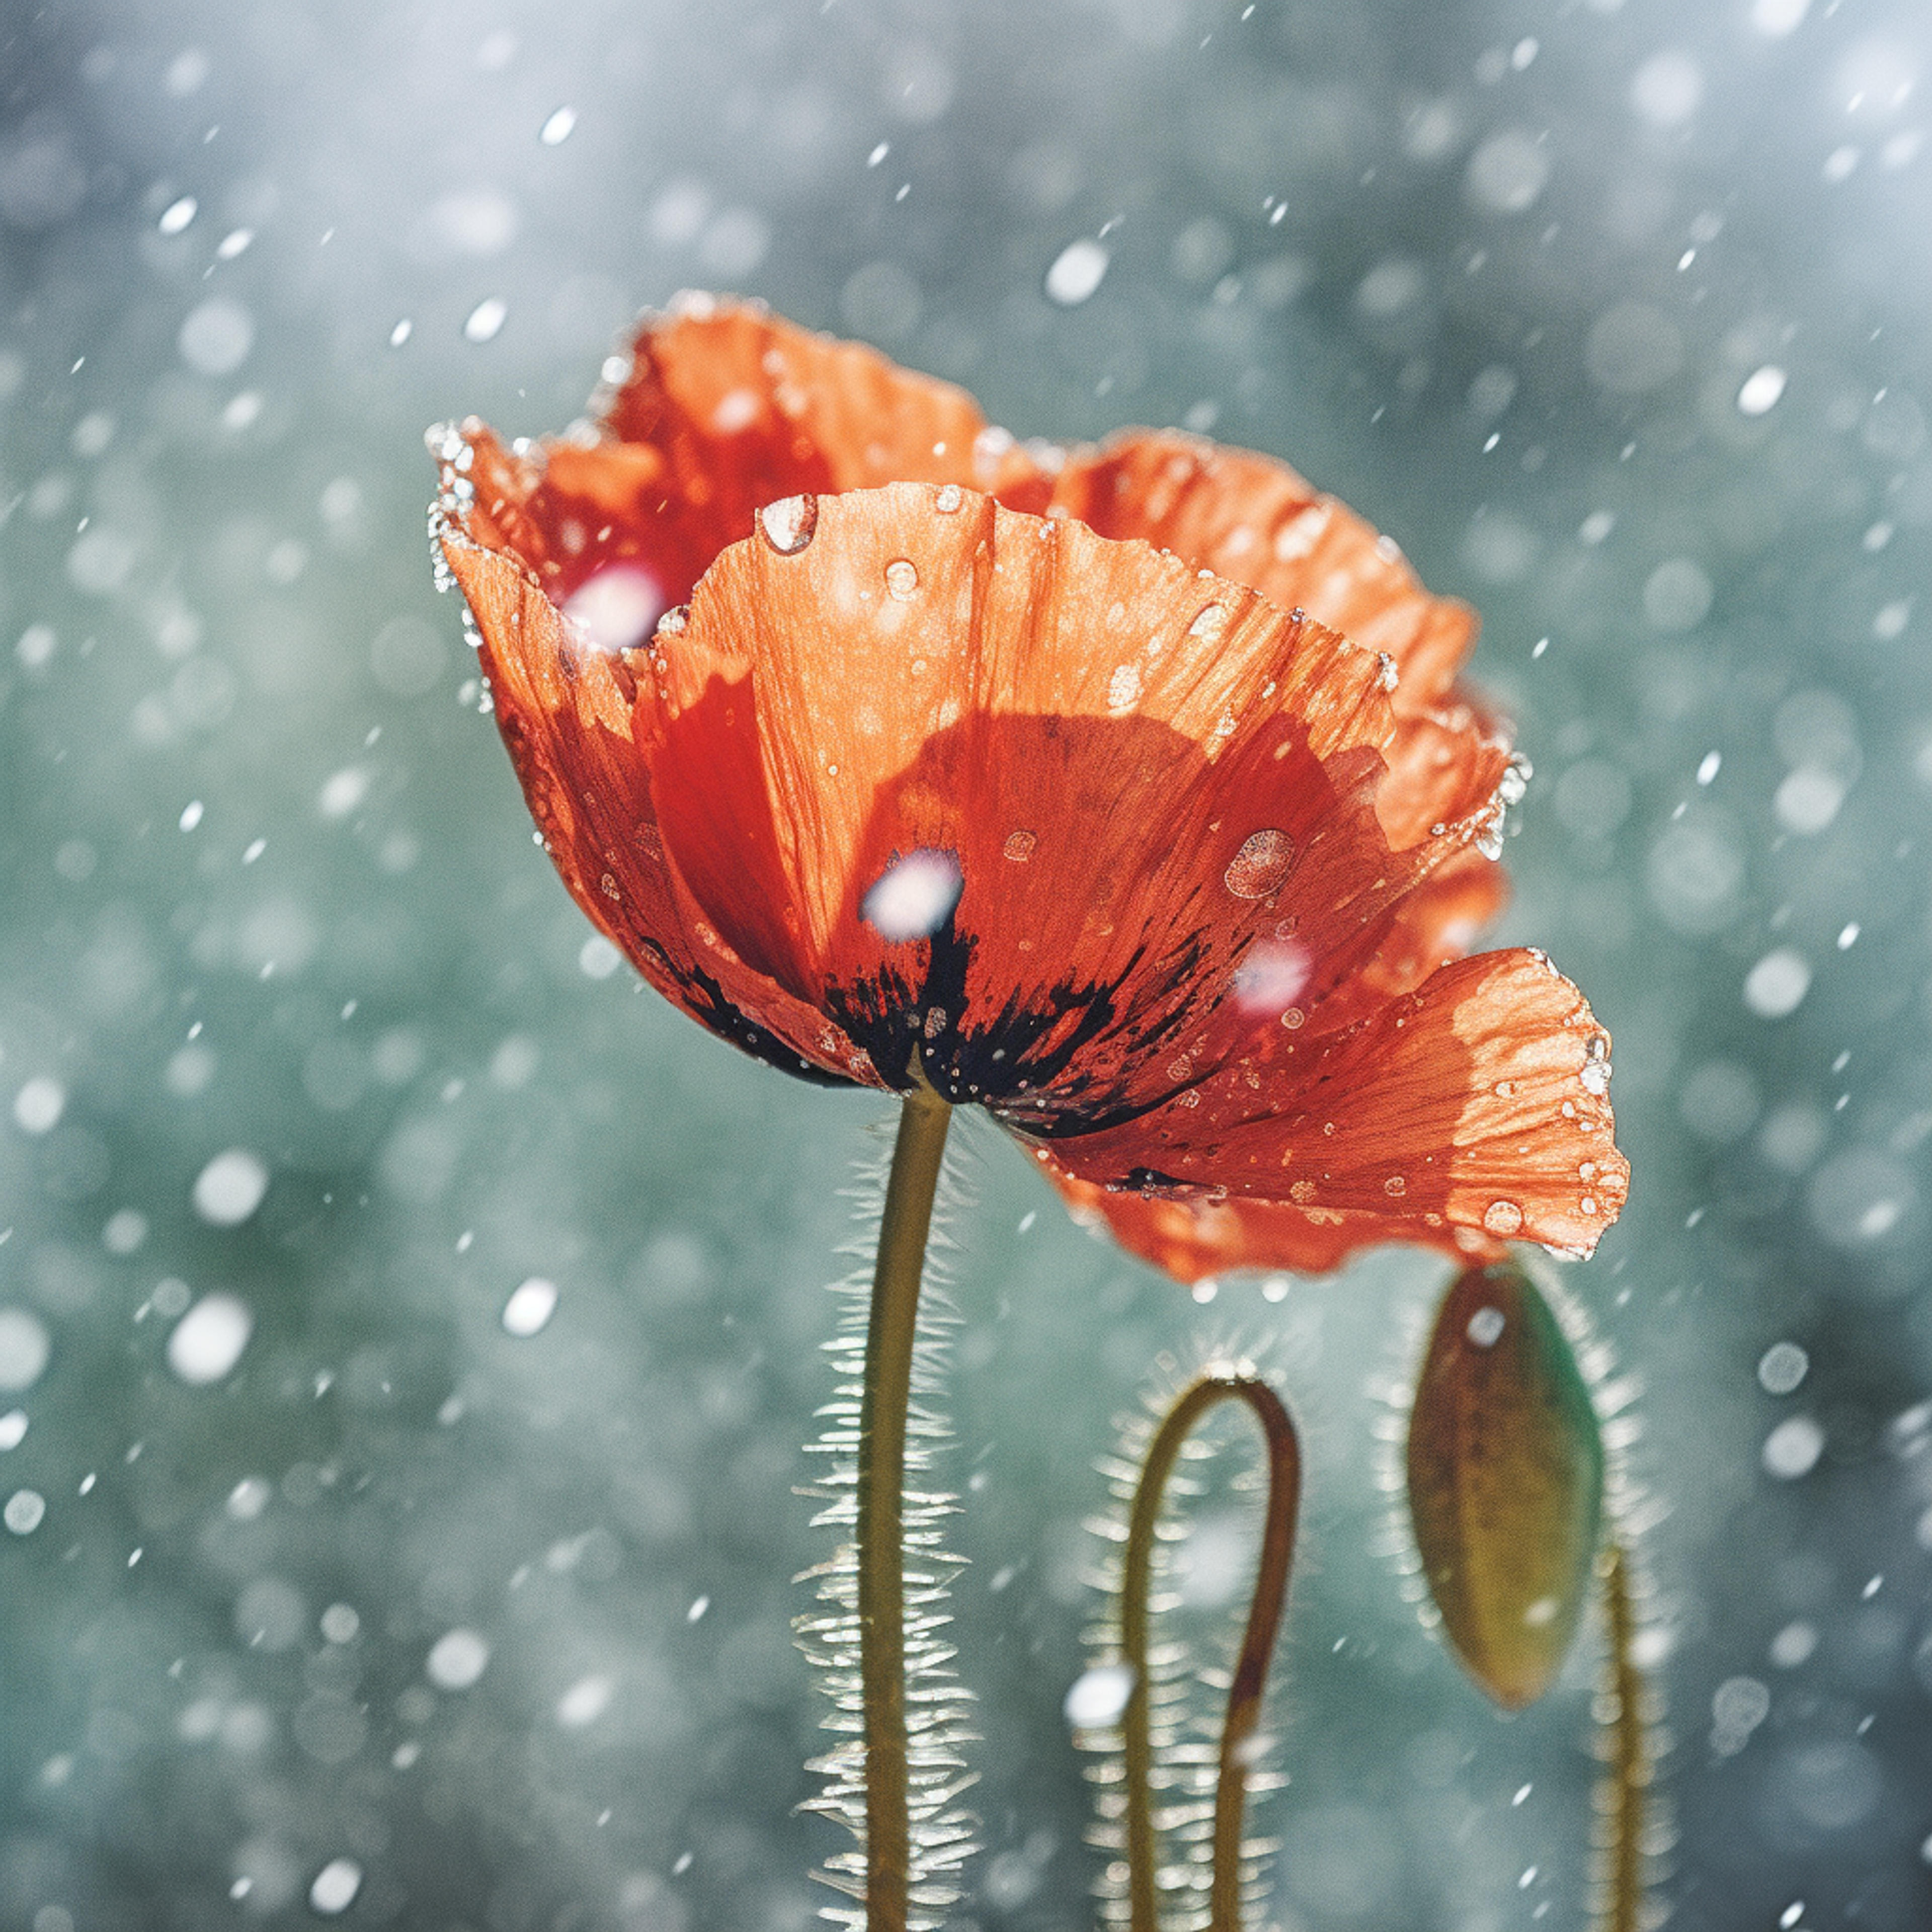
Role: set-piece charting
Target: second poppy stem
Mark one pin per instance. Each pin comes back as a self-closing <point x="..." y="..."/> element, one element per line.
<point x="1250" y="1675"/>
<point x="1629" y="1756"/>
<point x="890" y="1333"/>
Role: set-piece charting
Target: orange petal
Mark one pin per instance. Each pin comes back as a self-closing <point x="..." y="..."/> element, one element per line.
<point x="1134" y="771"/>
<point x="1479" y="1101"/>
<point x="1253" y="520"/>
<point x="1192" y="1240"/>
<point x="760" y="409"/>
<point x="565" y="712"/>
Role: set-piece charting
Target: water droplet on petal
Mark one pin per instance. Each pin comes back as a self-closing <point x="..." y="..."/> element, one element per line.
<point x="788" y="523"/>
<point x="901" y="578"/>
<point x="1210" y="622"/>
<point x="1261" y="865"/>
<point x="1502" y="1217"/>
<point x="914" y="896"/>
<point x="1019" y="846"/>
<point x="950" y="498"/>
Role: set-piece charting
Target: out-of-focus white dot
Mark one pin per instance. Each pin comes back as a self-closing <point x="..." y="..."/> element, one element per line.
<point x="335" y="1887"/>
<point x="1793" y="1646"/>
<point x="1858" y="1196"/>
<point x="1774" y="19"/>
<point x="127" y="1228"/>
<point x="209" y="1340"/>
<point x="485" y="321"/>
<point x="13" y="1429"/>
<point x="248" y="1499"/>
<point x="1761" y="391"/>
<point x="171" y="1297"/>
<point x="1891" y="619"/>
<point x="559" y="128"/>
<point x="1632" y="347"/>
<point x="1840" y="164"/>
<point x="1097" y="1698"/>
<point x="1740" y="1704"/>
<point x="1792" y="1449"/>
<point x="39" y="1105"/>
<point x="216" y="337"/>
<point x="914" y="897"/>
<point x="1677" y="595"/>
<point x="340" y="1623"/>
<point x="1774" y="987"/>
<point x="1782" y="1367"/>
<point x="457" y="1660"/>
<point x="1668" y="88"/>
<point x="342" y="791"/>
<point x="25" y="1346"/>
<point x="1508" y="173"/>
<point x="25" y="1509"/>
<point x="616" y="609"/>
<point x="401" y="333"/>
<point x="584" y="1703"/>
<point x="529" y="1307"/>
<point x="230" y="1187"/>
<point x="178" y="214"/>
<point x="1076" y="272"/>
<point x="597" y="958"/>
<point x="1807" y="800"/>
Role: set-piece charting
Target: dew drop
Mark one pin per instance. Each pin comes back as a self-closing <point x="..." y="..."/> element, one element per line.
<point x="949" y="499"/>
<point x="787" y="524"/>
<point x="1395" y="1186"/>
<point x="1210" y="622"/>
<point x="1260" y="866"/>
<point x="1019" y="846"/>
<point x="1502" y="1217"/>
<point x="1124" y="689"/>
<point x="901" y="578"/>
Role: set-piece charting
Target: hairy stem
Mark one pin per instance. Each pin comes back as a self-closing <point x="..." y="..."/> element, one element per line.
<point x="1630" y="1765"/>
<point x="1250" y="1678"/>
<point x="916" y="1155"/>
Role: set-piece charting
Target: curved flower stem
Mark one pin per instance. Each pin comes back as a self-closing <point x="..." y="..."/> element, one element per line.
<point x="1265" y="1609"/>
<point x="1629" y="1765"/>
<point x="916" y="1155"/>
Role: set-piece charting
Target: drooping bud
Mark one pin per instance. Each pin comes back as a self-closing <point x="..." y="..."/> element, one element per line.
<point x="1505" y="1466"/>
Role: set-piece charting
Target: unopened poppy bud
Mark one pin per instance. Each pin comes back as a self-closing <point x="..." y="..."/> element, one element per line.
<point x="1505" y="1480"/>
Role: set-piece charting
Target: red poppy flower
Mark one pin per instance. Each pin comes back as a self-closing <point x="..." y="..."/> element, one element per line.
<point x="1126" y="792"/>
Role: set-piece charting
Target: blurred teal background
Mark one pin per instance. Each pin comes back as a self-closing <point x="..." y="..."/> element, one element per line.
<point x="323" y="1592"/>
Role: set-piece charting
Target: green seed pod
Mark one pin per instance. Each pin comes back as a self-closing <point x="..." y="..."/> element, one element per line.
<point x="1505" y="1480"/>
